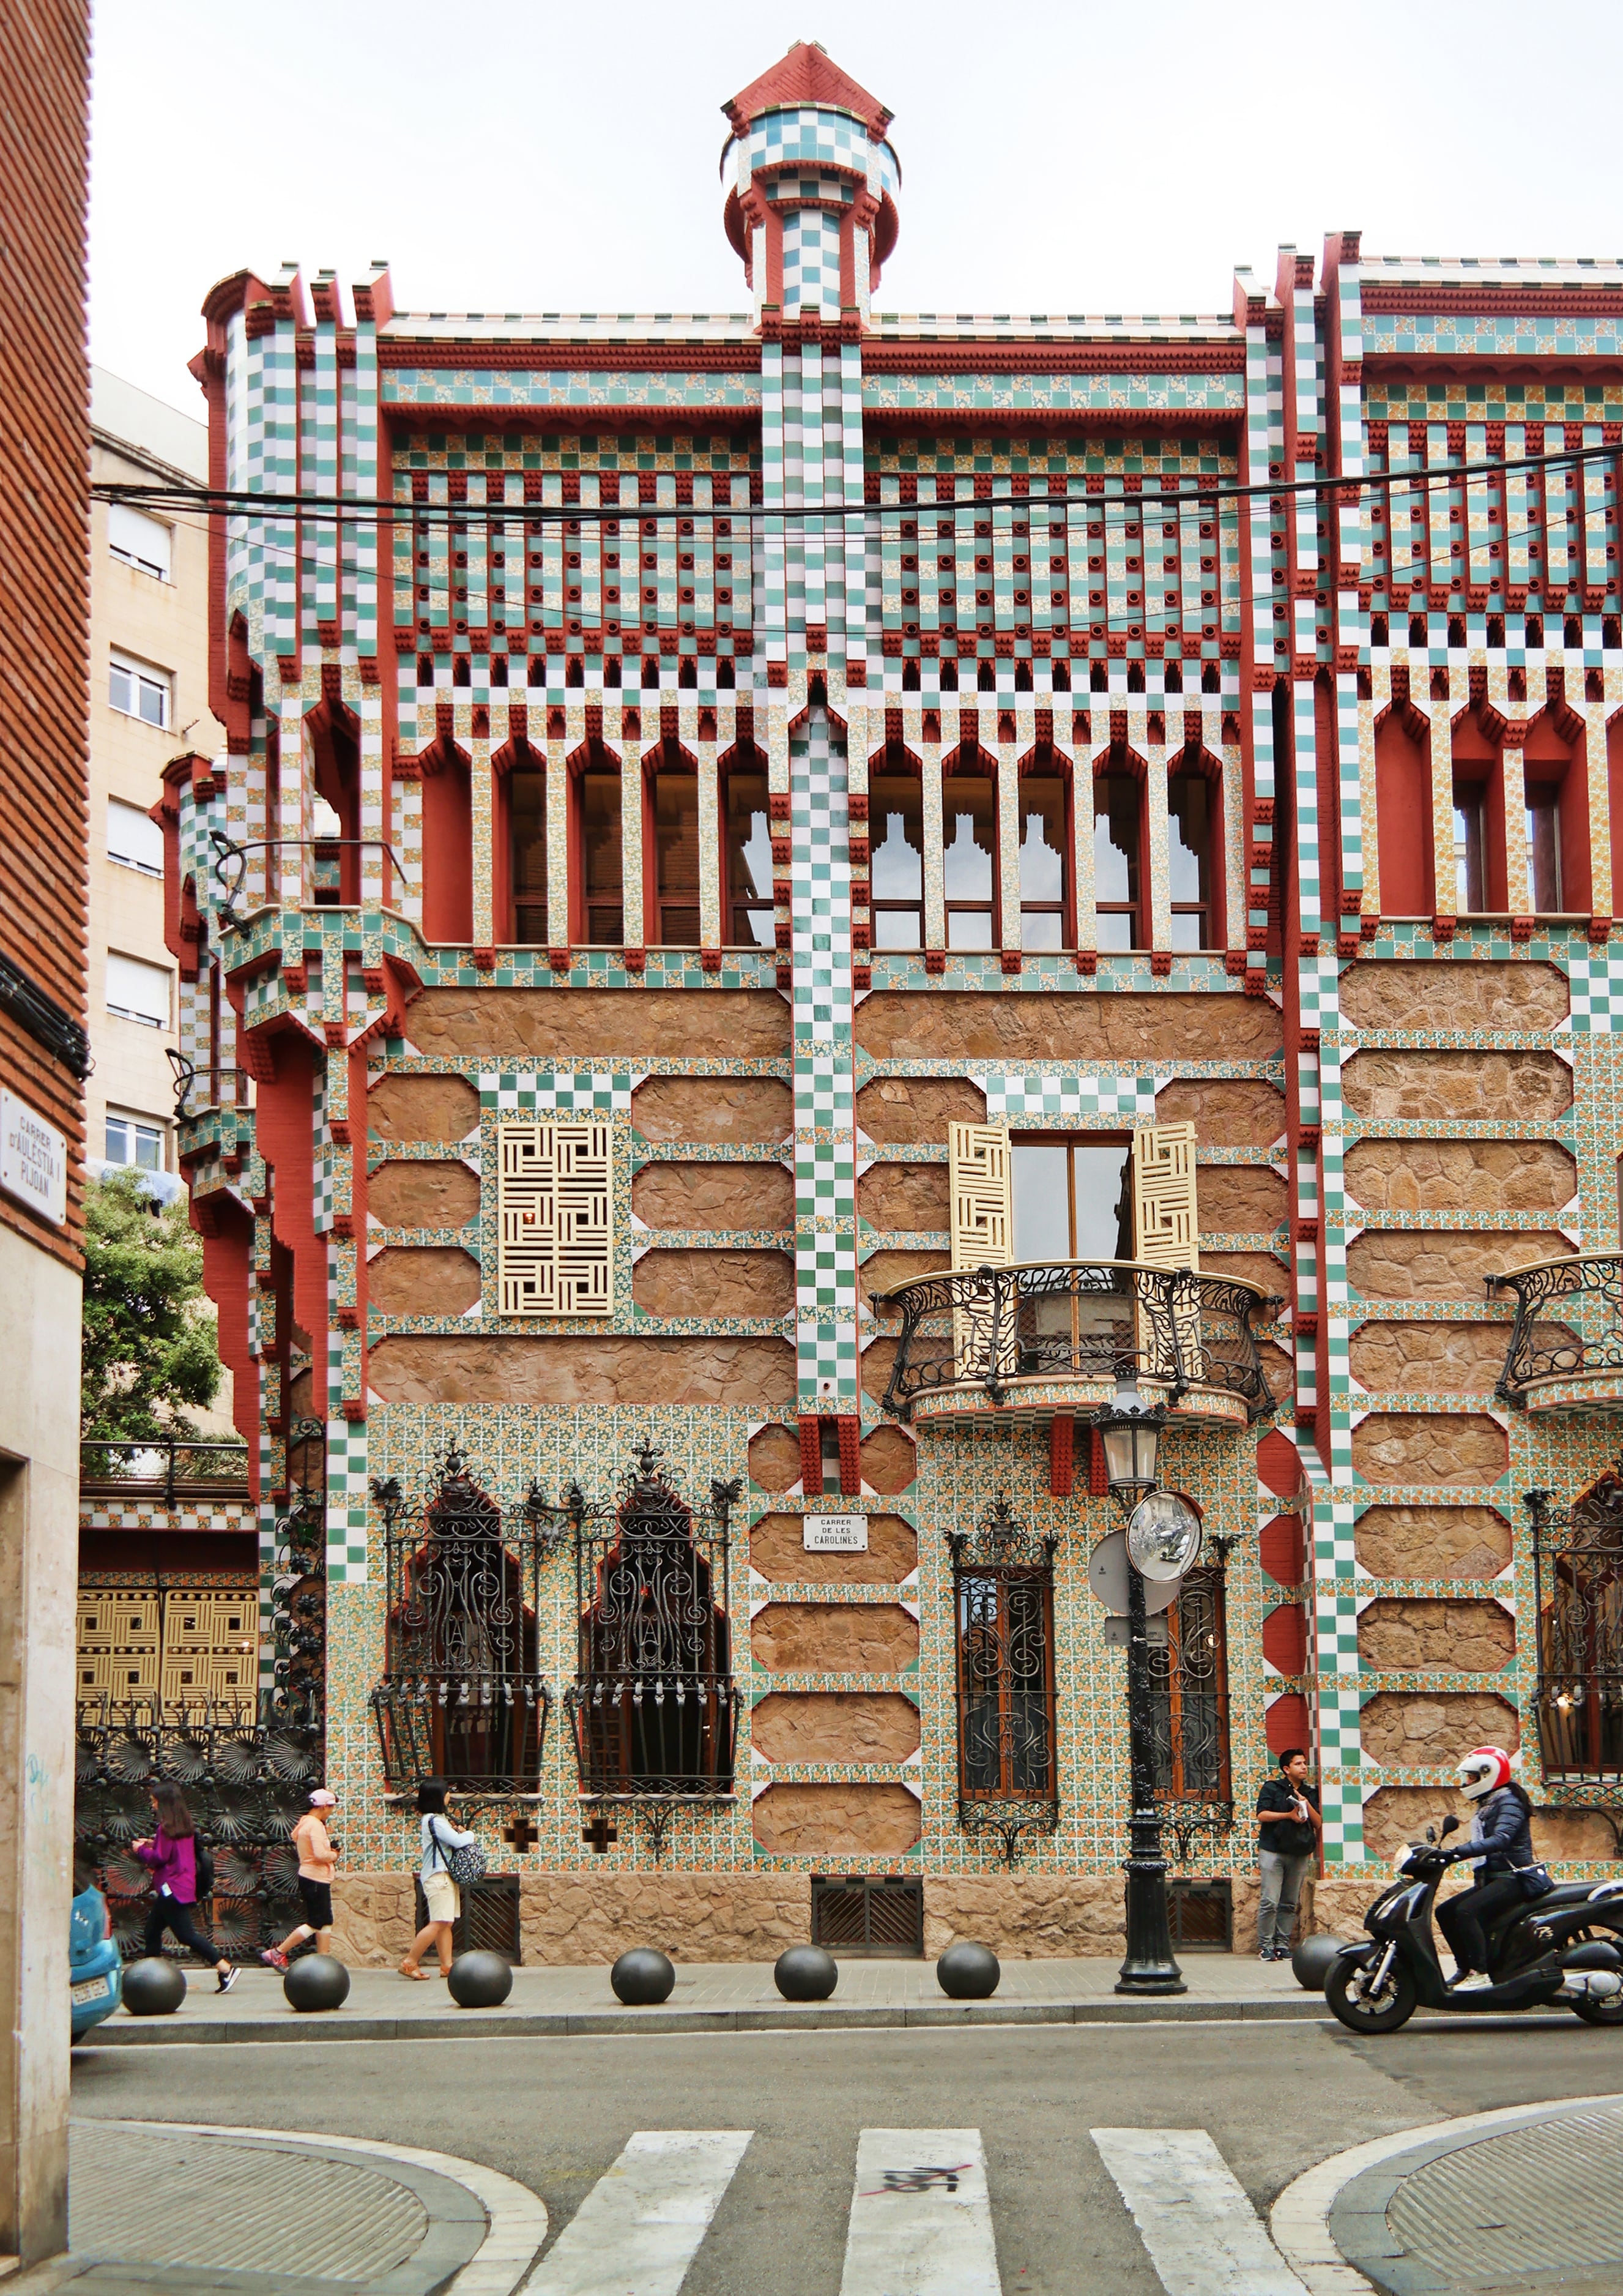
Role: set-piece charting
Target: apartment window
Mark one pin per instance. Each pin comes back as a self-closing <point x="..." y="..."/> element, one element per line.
<point x="133" y="839"/>
<point x="140" y="541"/>
<point x="139" y="691"/>
<point x="1544" y="847"/>
<point x="1469" y="847"/>
<point x="675" y="841"/>
<point x="134" y="1140"/>
<point x="1073" y="1197"/>
<point x="1116" y="860"/>
<point x="749" y="862"/>
<point x="527" y="796"/>
<point x="1189" y="826"/>
<point x="602" y="882"/>
<point x="1042" y="861"/>
<point x="969" y="837"/>
<point x="895" y="808"/>
<point x="138" y="991"/>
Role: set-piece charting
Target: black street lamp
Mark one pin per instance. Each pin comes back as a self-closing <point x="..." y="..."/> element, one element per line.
<point x="1130" y="1433"/>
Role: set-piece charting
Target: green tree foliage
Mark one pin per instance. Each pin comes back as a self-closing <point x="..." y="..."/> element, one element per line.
<point x="149" y="1337"/>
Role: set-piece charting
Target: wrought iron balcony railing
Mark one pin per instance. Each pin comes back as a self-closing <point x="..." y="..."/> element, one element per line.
<point x="986" y="1330"/>
<point x="484" y="1732"/>
<point x="642" y="1735"/>
<point x="1567" y="1339"/>
<point x="1581" y="1727"/>
<point x="173" y="1466"/>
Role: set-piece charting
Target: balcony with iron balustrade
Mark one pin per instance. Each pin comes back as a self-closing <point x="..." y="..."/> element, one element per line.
<point x="1566" y="1343"/>
<point x="1053" y="1338"/>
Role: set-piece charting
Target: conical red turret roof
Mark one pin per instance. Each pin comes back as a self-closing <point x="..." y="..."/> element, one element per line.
<point x="806" y="75"/>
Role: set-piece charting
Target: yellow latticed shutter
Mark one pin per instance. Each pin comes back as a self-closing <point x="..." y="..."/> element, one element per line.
<point x="982" y="1196"/>
<point x="1165" y="1221"/>
<point x="555" y="1210"/>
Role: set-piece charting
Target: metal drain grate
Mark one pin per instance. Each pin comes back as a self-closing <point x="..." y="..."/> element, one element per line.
<point x="872" y="1916"/>
<point x="1552" y="2191"/>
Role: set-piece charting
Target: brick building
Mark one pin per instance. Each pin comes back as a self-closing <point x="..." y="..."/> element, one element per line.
<point x="43" y="1057"/>
<point x="813" y="890"/>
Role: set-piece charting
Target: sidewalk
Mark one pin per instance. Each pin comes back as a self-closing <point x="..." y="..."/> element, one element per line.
<point x="714" y="1997"/>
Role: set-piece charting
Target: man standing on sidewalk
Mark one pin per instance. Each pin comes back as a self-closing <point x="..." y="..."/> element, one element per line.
<point x="1288" y="1822"/>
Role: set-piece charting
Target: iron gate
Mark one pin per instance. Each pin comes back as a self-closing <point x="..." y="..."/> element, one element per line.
<point x="489" y="1921"/>
<point x="869" y="1916"/>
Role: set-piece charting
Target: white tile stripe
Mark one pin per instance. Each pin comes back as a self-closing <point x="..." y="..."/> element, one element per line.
<point x="1203" y="2236"/>
<point x="516" y="2218"/>
<point x="639" y="2227"/>
<point x="909" y="2234"/>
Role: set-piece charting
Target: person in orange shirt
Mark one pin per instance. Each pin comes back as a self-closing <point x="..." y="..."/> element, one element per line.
<point x="317" y="1864"/>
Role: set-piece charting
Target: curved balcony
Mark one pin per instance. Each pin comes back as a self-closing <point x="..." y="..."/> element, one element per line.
<point x="1056" y="1337"/>
<point x="1565" y="1349"/>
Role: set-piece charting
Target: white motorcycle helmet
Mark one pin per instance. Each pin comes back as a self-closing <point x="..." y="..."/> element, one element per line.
<point x="1483" y="1771"/>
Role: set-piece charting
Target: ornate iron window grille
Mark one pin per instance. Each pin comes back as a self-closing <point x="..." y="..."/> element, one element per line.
<point x="1003" y="1628"/>
<point x="1189" y="1681"/>
<point x="654" y="1705"/>
<point x="298" y="1686"/>
<point x="1577" y="1577"/>
<point x="1590" y="1339"/>
<point x="463" y="1696"/>
<point x="1093" y="1320"/>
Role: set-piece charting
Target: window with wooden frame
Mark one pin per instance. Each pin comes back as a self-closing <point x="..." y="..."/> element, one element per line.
<point x="526" y="842"/>
<point x="673" y="817"/>
<point x="599" y="879"/>
<point x="748" y="835"/>
<point x="969" y="850"/>
<point x="1478" y="820"/>
<point x="1043" y="814"/>
<point x="1194" y="800"/>
<point x="1189" y="1684"/>
<point x="896" y="814"/>
<point x="1003" y="1599"/>
<point x="1555" y="792"/>
<point x="1073" y="1196"/>
<point x="1118" y="872"/>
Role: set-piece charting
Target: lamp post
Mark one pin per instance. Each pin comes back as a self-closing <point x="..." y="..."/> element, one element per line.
<point x="1130" y="1434"/>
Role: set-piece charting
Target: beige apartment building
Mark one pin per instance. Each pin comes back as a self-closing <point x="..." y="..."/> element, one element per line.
<point x="149" y="641"/>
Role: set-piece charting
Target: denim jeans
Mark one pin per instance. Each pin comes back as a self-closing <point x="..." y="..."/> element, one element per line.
<point x="1282" y="1883"/>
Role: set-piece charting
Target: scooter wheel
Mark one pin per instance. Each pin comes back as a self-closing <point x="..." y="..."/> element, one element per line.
<point x="1599" y="2013"/>
<point x="1380" y="2013"/>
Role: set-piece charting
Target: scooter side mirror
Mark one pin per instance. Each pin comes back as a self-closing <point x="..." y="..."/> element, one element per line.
<point x="1451" y="1824"/>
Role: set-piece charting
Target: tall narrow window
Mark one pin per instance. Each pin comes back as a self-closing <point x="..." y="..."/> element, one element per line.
<point x="895" y="808"/>
<point x="969" y="838"/>
<point x="1189" y="826"/>
<point x="1578" y="1561"/>
<point x="1544" y="847"/>
<point x="1073" y="1199"/>
<point x="1117" y="834"/>
<point x="1190" y="1687"/>
<point x="676" y="839"/>
<point x="1043" y="849"/>
<point x="1469" y="847"/>
<point x="527" y="800"/>
<point x="1003" y="1585"/>
<point x="603" y="897"/>
<point x="750" y="923"/>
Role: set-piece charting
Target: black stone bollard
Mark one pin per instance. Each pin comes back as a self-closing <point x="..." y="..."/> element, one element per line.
<point x="1311" y="1958"/>
<point x="805" y="1972"/>
<point x="316" y="1981"/>
<point x="969" y="1973"/>
<point x="153" y="1987"/>
<point x="642" y="1977"/>
<point x="480" y="1979"/>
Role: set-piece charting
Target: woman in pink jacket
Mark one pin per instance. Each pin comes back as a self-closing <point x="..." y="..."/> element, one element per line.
<point x="171" y="1853"/>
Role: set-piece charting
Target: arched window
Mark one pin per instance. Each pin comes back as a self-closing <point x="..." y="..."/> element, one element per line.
<point x="598" y="875"/>
<point x="1578" y="1560"/>
<point x="447" y="844"/>
<point x="1403" y="814"/>
<point x="969" y="850"/>
<point x="1044" y="852"/>
<point x="748" y="919"/>
<point x="1119" y="857"/>
<point x="673" y="811"/>
<point x="1192" y="840"/>
<point x="896" y="814"/>
<point x="1003" y="1602"/>
<point x="526" y="845"/>
<point x="1189" y="1683"/>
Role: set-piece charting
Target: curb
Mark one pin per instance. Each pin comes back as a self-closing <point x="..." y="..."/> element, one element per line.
<point x="1302" y="2217"/>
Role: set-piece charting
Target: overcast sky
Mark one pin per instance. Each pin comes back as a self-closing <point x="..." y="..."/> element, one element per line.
<point x="1082" y="158"/>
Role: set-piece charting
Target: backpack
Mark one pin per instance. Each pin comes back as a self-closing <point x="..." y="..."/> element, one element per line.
<point x="465" y="1864"/>
<point x="203" y="1859"/>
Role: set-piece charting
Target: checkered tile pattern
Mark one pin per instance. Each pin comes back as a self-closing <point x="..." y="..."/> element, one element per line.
<point x="346" y="1502"/>
<point x="1025" y="1098"/>
<point x="825" y="1120"/>
<point x="1597" y="993"/>
<point x="557" y="1092"/>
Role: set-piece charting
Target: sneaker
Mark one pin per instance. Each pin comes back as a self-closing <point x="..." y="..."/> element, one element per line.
<point x="273" y="1958"/>
<point x="227" y="1980"/>
<point x="1280" y="1952"/>
<point x="1267" y="1953"/>
<point x="1474" y="1980"/>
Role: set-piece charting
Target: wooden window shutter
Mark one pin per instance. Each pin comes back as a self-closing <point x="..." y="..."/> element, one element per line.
<point x="1165" y="1218"/>
<point x="555" y="1205"/>
<point x="981" y="1184"/>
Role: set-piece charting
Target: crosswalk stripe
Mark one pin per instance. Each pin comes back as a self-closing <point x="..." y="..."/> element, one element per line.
<point x="639" y="2227"/>
<point x="1203" y="2235"/>
<point x="921" y="2221"/>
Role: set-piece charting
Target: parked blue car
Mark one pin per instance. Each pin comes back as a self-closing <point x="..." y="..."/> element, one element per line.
<point x="96" y="1974"/>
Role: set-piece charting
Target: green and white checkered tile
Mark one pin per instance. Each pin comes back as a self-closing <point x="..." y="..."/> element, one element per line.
<point x="825" y="1119"/>
<point x="557" y="1092"/>
<point x="1039" y="1094"/>
<point x="1597" y="992"/>
<point x="346" y="1502"/>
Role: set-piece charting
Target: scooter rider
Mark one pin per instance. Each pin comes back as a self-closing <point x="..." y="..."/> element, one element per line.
<point x="1500" y="1844"/>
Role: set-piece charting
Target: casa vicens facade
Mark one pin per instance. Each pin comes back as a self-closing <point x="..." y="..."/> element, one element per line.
<point x="794" y="897"/>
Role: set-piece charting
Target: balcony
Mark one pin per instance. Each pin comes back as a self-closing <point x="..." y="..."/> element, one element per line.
<point x="1050" y="1339"/>
<point x="1566" y="1348"/>
<point x="169" y="1469"/>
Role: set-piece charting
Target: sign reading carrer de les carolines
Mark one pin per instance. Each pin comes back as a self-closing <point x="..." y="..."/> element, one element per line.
<point x="834" y="1534"/>
<point x="33" y="1160"/>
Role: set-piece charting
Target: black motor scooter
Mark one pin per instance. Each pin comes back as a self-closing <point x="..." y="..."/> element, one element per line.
<point x="1565" y="1947"/>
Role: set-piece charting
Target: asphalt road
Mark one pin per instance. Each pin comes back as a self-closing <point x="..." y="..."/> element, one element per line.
<point x="555" y="2114"/>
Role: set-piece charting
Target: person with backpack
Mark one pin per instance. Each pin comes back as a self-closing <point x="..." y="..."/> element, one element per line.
<point x="182" y="1872"/>
<point x="449" y="1859"/>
